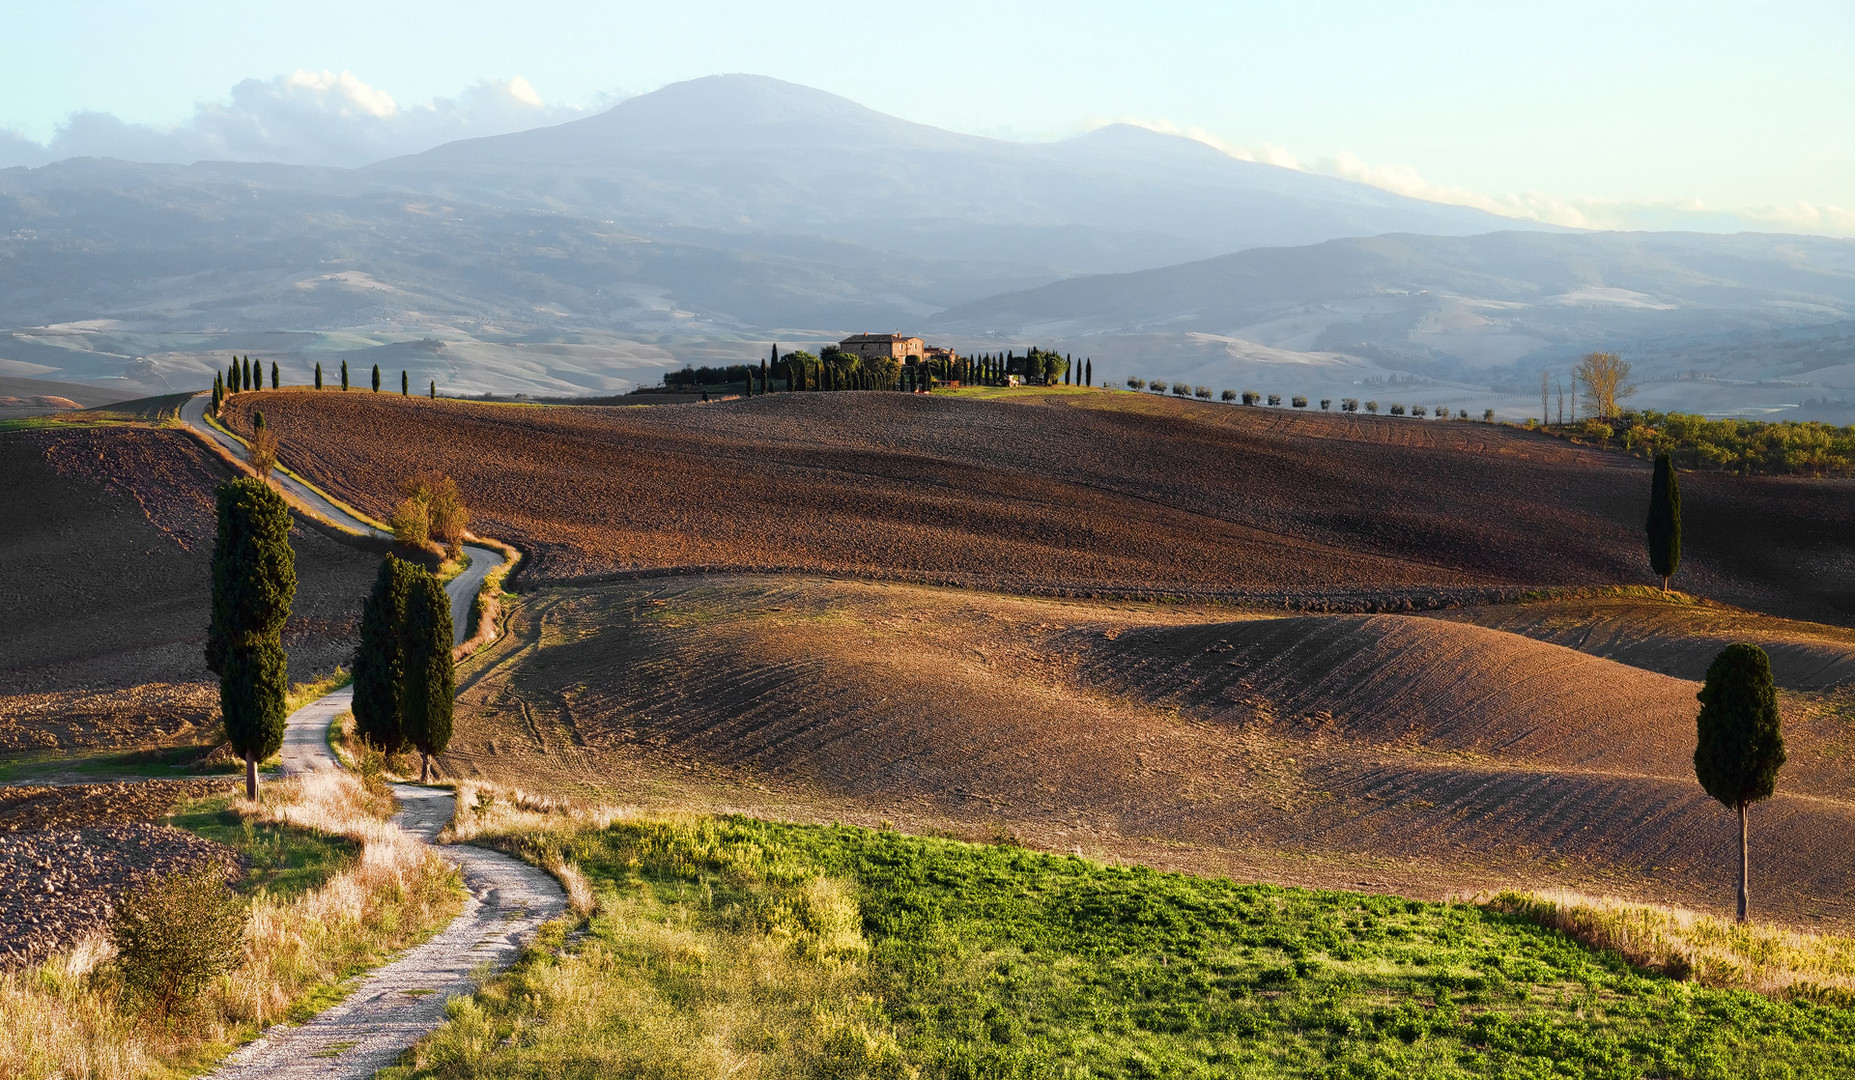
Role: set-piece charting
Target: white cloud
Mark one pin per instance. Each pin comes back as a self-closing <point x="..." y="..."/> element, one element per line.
<point x="304" y="118"/>
<point x="1582" y="213"/>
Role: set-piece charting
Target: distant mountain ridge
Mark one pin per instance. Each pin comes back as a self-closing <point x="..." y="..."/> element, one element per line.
<point x="700" y="221"/>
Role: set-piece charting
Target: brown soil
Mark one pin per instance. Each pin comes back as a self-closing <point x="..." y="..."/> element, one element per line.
<point x="106" y="589"/>
<point x="1079" y="492"/>
<point x="68" y="853"/>
<point x="1675" y="637"/>
<point x="1389" y="752"/>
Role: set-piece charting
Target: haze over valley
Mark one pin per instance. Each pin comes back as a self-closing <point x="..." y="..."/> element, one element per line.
<point x="699" y="222"/>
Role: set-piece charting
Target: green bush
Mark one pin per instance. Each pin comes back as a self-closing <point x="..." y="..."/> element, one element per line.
<point x="174" y="935"/>
<point x="1299" y="402"/>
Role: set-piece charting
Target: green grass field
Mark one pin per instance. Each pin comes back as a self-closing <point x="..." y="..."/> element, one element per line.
<point x="283" y="861"/>
<point x="781" y="950"/>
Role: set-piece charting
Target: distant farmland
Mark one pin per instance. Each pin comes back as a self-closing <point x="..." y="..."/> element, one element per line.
<point x="1085" y="491"/>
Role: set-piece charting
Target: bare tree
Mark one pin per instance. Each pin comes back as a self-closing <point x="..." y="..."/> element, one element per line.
<point x="1561" y="385"/>
<point x="1605" y="377"/>
<point x="1545" y="412"/>
<point x="261" y="449"/>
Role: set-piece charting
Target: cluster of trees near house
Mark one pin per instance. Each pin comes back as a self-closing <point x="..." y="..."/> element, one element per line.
<point x="832" y="368"/>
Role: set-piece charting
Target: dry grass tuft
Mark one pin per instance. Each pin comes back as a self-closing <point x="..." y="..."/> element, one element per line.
<point x="1687" y="944"/>
<point x="485" y="810"/>
<point x="67" y="1018"/>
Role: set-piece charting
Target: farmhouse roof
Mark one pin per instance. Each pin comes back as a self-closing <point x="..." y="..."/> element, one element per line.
<point x="861" y="338"/>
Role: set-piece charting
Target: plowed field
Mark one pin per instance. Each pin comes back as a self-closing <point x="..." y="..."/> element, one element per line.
<point x="1391" y="752"/>
<point x="106" y="553"/>
<point x="1080" y="491"/>
<point x="1677" y="638"/>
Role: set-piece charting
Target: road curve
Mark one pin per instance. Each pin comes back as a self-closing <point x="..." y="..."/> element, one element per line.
<point x="463" y="588"/>
<point x="394" y="1005"/>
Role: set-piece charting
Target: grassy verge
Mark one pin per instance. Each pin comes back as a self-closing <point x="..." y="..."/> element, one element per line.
<point x="303" y="693"/>
<point x="338" y="890"/>
<point x="730" y="946"/>
<point x="109" y="765"/>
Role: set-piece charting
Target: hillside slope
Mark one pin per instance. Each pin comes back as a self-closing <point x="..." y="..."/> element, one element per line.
<point x="1396" y="752"/>
<point x="107" y="559"/>
<point x="1054" y="491"/>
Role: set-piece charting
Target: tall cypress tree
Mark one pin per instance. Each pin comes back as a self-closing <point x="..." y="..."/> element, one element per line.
<point x="254" y="583"/>
<point x="379" y="673"/>
<point x="250" y="383"/>
<point x="231" y="377"/>
<point x="1739" y="746"/>
<point x="405" y="383"/>
<point x="1664" y="525"/>
<point x="434" y="390"/>
<point x="344" y="374"/>
<point x="1089" y="369"/>
<point x="276" y="383"/>
<point x="318" y="374"/>
<point x="430" y="682"/>
<point x="767" y="369"/>
<point x="766" y="378"/>
<point x="376" y="378"/>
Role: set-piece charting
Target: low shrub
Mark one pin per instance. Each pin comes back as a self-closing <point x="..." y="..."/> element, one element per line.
<point x="173" y="935"/>
<point x="1487" y="416"/>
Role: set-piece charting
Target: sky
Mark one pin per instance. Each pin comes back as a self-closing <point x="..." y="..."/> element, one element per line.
<point x="1701" y="115"/>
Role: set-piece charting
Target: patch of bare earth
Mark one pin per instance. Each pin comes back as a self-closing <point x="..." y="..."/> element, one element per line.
<point x="68" y="853"/>
<point x="1394" y="753"/>
<point x="106" y="556"/>
<point x="1077" y="493"/>
<point x="1677" y="638"/>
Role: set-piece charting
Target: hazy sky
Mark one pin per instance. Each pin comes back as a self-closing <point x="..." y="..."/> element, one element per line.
<point x="1619" y="112"/>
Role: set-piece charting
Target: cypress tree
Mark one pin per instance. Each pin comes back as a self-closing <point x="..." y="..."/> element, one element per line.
<point x="376" y="378"/>
<point x="379" y="673"/>
<point x="767" y="369"/>
<point x="276" y="383"/>
<point x="249" y="382"/>
<point x="1664" y="526"/>
<point x="1739" y="746"/>
<point x="254" y="583"/>
<point x="766" y="378"/>
<point x="405" y="384"/>
<point x="1089" y="369"/>
<point x="231" y="378"/>
<point x="434" y="390"/>
<point x="344" y="374"/>
<point x="318" y="374"/>
<point x="430" y="683"/>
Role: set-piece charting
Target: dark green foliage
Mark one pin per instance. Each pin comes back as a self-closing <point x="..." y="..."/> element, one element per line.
<point x="376" y="378"/>
<point x="231" y="378"/>
<point x="251" y="700"/>
<point x="254" y="584"/>
<point x="318" y="375"/>
<point x="174" y="935"/>
<point x="1739" y="748"/>
<point x="246" y="376"/>
<point x="344" y="374"/>
<point x="276" y="381"/>
<point x="434" y="390"/>
<point x="425" y="656"/>
<point x="1664" y="525"/>
<point x="254" y="570"/>
<point x="405" y="384"/>
<point x="1088" y="373"/>
<point x="379" y="673"/>
<point x="997" y="962"/>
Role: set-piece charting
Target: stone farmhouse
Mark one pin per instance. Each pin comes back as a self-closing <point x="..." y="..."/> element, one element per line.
<point x="894" y="346"/>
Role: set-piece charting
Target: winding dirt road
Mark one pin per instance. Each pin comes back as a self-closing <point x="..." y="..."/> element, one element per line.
<point x="394" y="1005"/>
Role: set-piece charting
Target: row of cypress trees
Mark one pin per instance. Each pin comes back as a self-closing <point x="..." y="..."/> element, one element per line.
<point x="403" y="675"/>
<point x="242" y="374"/>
